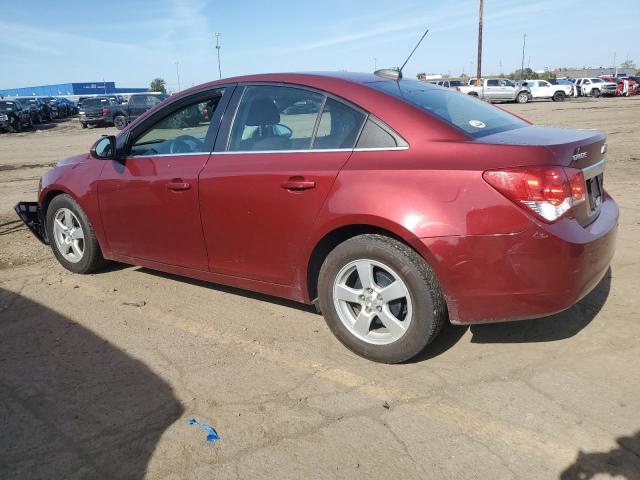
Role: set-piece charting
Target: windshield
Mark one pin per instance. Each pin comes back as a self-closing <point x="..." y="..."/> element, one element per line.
<point x="472" y="116"/>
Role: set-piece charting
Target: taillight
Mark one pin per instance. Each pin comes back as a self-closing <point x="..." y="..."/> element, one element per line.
<point x="105" y="111"/>
<point x="549" y="192"/>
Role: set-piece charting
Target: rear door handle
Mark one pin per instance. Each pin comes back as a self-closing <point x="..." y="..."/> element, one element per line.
<point x="302" y="184"/>
<point x="178" y="185"/>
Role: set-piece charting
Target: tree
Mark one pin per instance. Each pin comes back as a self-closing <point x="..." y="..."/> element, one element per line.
<point x="158" y="85"/>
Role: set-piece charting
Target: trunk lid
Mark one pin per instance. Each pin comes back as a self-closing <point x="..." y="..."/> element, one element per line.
<point x="581" y="149"/>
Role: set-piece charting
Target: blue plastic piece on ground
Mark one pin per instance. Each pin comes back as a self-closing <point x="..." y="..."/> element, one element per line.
<point x="212" y="435"/>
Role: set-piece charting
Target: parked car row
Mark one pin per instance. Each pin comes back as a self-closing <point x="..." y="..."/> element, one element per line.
<point x="19" y="112"/>
<point x="106" y="110"/>
<point x="523" y="91"/>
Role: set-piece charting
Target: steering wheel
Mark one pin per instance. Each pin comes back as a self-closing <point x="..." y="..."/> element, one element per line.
<point x="185" y="144"/>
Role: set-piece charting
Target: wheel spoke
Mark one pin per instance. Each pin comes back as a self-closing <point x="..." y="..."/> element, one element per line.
<point x="77" y="234"/>
<point x="76" y="249"/>
<point x="347" y="294"/>
<point x="365" y="272"/>
<point x="395" y="326"/>
<point x="68" y="222"/>
<point x="60" y="225"/>
<point x="362" y="323"/>
<point x="394" y="291"/>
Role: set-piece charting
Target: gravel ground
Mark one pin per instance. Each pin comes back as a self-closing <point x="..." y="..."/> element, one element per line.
<point x="99" y="373"/>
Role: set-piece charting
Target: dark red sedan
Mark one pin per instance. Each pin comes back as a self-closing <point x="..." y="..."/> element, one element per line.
<point x="391" y="204"/>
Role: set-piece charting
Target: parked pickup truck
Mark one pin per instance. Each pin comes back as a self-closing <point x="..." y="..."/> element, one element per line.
<point x="102" y="111"/>
<point x="596" y="87"/>
<point x="543" y="89"/>
<point x="498" y="90"/>
<point x="138" y="103"/>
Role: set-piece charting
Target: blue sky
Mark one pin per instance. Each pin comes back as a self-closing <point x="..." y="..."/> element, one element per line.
<point x="131" y="42"/>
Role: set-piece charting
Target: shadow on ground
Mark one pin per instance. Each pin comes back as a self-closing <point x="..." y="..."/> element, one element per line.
<point x="73" y="406"/>
<point x="555" y="327"/>
<point x="233" y="290"/>
<point x="621" y="462"/>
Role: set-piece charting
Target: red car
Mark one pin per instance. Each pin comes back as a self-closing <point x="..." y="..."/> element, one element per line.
<point x="393" y="205"/>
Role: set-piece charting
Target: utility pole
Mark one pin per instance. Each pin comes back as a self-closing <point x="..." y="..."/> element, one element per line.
<point x="178" y="75"/>
<point x="524" y="43"/>
<point x="375" y="64"/>
<point x="479" y="64"/>
<point x="614" y="64"/>
<point x="218" y="49"/>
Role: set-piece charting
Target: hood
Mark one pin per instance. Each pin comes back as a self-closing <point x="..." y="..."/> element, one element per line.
<point x="73" y="160"/>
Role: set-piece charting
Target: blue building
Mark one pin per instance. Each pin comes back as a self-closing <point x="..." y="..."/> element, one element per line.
<point x="69" y="89"/>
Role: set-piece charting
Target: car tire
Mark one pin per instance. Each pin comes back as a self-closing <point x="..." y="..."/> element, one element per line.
<point x="559" y="97"/>
<point x="473" y="94"/>
<point x="78" y="237"/>
<point x="119" y="121"/>
<point x="83" y="125"/>
<point x="595" y="92"/>
<point x="389" y="261"/>
<point x="39" y="119"/>
<point x="523" y="97"/>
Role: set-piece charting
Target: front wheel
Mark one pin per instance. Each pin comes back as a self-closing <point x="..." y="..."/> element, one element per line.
<point x="71" y="236"/>
<point x="522" y="97"/>
<point x="120" y="121"/>
<point x="595" y="93"/>
<point x="380" y="298"/>
<point x="559" y="97"/>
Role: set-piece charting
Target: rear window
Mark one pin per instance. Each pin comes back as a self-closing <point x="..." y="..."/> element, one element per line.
<point x="472" y="116"/>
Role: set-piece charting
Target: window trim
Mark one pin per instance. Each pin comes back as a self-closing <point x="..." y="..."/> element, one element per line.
<point x="224" y="134"/>
<point x="214" y="126"/>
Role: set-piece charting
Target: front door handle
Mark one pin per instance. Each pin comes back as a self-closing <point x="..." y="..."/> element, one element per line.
<point x="177" y="185"/>
<point x="298" y="184"/>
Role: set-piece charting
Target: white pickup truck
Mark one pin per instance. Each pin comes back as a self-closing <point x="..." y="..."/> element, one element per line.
<point x="596" y="87"/>
<point x="544" y="89"/>
<point x="498" y="90"/>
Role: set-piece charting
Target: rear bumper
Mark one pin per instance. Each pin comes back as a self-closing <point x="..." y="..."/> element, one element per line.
<point x="540" y="271"/>
<point x="31" y="214"/>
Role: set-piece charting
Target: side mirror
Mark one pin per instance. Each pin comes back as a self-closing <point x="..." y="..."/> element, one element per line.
<point x="104" y="148"/>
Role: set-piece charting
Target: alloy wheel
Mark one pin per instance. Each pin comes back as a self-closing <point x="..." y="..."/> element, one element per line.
<point x="68" y="235"/>
<point x="372" y="301"/>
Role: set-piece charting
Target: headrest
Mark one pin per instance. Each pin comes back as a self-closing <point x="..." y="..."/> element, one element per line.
<point x="263" y="111"/>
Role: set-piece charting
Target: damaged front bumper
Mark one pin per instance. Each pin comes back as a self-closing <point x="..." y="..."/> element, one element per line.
<point x="31" y="214"/>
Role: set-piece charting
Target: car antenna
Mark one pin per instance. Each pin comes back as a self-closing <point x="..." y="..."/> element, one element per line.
<point x="396" y="73"/>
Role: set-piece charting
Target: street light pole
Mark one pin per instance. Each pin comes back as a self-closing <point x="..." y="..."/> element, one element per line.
<point x="524" y="43"/>
<point x="479" y="64"/>
<point x="178" y="75"/>
<point x="218" y="49"/>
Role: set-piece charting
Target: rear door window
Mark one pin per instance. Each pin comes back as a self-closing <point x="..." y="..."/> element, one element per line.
<point x="339" y="126"/>
<point x="273" y="118"/>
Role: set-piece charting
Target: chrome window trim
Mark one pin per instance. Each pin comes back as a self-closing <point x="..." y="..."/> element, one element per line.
<point x="594" y="170"/>
<point x="169" y="155"/>
<point x="327" y="150"/>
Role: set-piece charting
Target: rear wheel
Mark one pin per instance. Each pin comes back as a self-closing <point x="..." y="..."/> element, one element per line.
<point x="380" y="298"/>
<point x="71" y="236"/>
<point x="120" y="121"/>
<point x="559" y="97"/>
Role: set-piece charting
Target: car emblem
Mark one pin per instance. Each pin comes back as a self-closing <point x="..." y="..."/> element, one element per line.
<point x="579" y="155"/>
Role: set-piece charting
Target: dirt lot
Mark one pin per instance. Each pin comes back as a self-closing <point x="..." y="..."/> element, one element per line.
<point x="93" y="386"/>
